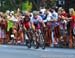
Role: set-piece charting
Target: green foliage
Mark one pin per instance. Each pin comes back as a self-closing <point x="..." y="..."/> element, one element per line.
<point x="6" y="5"/>
<point x="50" y="3"/>
<point x="27" y="6"/>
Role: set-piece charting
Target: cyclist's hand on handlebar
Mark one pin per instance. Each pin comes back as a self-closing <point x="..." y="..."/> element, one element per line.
<point x="33" y="27"/>
<point x="25" y="29"/>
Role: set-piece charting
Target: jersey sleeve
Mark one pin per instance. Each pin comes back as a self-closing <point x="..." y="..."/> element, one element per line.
<point x="40" y="18"/>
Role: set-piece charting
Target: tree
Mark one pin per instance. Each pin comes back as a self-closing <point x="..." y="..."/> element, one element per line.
<point x="11" y="4"/>
<point x="36" y="4"/>
<point x="30" y="4"/>
<point x="50" y="3"/>
<point x="27" y="6"/>
<point x="43" y="3"/>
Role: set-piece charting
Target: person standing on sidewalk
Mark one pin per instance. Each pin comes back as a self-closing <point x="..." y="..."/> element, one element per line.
<point x="2" y="30"/>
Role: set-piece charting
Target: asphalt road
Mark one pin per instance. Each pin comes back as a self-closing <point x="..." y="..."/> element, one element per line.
<point x="10" y="51"/>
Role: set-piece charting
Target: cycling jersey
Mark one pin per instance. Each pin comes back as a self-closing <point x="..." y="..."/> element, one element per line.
<point x="27" y="25"/>
<point x="36" y="21"/>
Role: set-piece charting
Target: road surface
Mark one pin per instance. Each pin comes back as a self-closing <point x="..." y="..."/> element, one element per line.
<point x="10" y="51"/>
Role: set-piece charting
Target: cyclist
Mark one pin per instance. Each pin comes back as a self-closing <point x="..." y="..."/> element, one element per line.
<point x="38" y="26"/>
<point x="27" y="27"/>
<point x="36" y="20"/>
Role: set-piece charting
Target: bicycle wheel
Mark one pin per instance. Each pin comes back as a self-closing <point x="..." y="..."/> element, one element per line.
<point x="42" y="41"/>
<point x="29" y="45"/>
<point x="35" y="42"/>
<point x="28" y="40"/>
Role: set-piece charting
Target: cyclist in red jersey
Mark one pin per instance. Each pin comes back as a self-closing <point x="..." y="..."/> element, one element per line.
<point x="27" y="30"/>
<point x="26" y="22"/>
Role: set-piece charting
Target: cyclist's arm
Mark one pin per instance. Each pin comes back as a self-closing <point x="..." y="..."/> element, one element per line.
<point x="43" y="24"/>
<point x="33" y="26"/>
<point x="41" y="20"/>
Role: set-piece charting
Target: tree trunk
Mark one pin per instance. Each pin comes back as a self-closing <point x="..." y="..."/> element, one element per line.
<point x="13" y="3"/>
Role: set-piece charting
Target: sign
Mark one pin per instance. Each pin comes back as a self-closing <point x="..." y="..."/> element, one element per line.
<point x="61" y="2"/>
